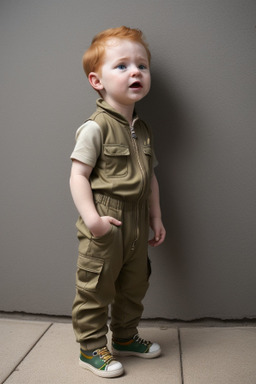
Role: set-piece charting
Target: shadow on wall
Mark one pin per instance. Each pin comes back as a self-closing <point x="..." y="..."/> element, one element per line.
<point x="167" y="112"/>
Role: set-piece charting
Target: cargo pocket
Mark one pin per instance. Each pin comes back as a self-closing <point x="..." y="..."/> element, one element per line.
<point x="116" y="159"/>
<point x="88" y="272"/>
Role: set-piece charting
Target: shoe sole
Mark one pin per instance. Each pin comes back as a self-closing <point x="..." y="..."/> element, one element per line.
<point x="151" y="355"/>
<point x="100" y="373"/>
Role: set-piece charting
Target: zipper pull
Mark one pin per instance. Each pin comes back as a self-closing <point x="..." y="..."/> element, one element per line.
<point x="134" y="136"/>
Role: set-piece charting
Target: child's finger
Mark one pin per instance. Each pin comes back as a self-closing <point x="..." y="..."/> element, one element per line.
<point x="114" y="221"/>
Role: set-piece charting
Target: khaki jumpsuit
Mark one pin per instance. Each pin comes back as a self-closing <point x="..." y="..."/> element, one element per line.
<point x="114" y="269"/>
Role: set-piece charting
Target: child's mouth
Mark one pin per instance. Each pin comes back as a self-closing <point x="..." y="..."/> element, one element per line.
<point x="137" y="84"/>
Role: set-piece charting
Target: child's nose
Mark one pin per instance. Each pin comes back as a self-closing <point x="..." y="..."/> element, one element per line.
<point x="135" y="71"/>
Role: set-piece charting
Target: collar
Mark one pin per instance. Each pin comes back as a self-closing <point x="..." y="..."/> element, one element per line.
<point x="104" y="106"/>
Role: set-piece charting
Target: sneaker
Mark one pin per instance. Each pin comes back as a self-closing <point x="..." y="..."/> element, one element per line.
<point x="100" y="362"/>
<point x="136" y="347"/>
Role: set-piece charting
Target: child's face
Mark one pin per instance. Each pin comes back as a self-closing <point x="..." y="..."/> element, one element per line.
<point x="125" y="73"/>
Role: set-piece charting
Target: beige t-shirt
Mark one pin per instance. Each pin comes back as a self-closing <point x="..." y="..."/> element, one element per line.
<point x="88" y="143"/>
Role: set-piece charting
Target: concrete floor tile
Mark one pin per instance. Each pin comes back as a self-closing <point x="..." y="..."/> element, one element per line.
<point x="219" y="355"/>
<point x="55" y="360"/>
<point x="16" y="340"/>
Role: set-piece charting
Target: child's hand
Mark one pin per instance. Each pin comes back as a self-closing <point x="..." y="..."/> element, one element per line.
<point x="159" y="232"/>
<point x="103" y="226"/>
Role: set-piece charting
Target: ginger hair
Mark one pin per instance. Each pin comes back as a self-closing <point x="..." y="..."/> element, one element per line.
<point x="94" y="56"/>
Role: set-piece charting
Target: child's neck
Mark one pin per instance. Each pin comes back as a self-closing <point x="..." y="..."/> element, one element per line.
<point x="124" y="110"/>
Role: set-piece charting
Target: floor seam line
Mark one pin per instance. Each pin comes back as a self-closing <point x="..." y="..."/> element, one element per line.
<point x="181" y="357"/>
<point x="28" y="352"/>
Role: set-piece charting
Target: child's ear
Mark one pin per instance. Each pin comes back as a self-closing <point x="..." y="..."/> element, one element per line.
<point x="95" y="82"/>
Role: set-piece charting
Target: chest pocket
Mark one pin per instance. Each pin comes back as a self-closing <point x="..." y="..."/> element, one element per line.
<point x="148" y="155"/>
<point x="147" y="150"/>
<point x="116" y="156"/>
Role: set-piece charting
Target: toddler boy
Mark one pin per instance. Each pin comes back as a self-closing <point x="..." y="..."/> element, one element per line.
<point x="116" y="193"/>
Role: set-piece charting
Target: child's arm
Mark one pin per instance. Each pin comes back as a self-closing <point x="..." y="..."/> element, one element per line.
<point x="83" y="199"/>
<point x="155" y="215"/>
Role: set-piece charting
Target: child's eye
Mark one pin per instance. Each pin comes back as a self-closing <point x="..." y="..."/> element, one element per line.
<point x="121" y="66"/>
<point x="142" y="66"/>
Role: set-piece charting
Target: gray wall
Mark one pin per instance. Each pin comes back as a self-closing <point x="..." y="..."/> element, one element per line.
<point x="202" y="110"/>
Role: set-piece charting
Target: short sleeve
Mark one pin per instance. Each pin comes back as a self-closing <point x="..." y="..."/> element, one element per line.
<point x="88" y="143"/>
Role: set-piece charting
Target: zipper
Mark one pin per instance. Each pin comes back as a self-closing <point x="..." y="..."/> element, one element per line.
<point x="135" y="146"/>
